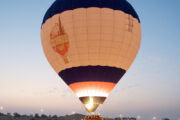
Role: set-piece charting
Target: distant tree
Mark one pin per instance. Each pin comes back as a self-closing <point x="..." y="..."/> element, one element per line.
<point x="16" y="115"/>
<point x="166" y="119"/>
<point x="2" y="114"/>
<point x="36" y="115"/>
<point x="54" y="116"/>
<point x="25" y="116"/>
<point x="32" y="119"/>
<point x="9" y="114"/>
<point x="31" y="115"/>
<point x="43" y="116"/>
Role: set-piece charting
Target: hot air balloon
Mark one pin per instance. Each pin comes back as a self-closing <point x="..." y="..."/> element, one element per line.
<point x="91" y="44"/>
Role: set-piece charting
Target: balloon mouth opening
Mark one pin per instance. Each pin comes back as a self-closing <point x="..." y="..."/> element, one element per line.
<point x="91" y="103"/>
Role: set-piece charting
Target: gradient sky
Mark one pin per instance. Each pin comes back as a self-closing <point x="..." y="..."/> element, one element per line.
<point x="150" y="88"/>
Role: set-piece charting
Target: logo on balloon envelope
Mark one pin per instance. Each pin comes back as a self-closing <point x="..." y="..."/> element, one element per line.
<point x="59" y="40"/>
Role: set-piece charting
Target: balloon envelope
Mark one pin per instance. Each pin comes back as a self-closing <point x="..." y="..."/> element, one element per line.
<point x="91" y="44"/>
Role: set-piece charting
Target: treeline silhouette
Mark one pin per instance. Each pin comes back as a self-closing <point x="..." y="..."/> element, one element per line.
<point x="17" y="116"/>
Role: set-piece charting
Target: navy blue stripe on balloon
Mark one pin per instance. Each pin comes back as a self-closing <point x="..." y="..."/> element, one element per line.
<point x="60" y="6"/>
<point x="92" y="73"/>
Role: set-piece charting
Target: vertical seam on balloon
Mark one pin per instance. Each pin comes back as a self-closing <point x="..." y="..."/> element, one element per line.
<point x="87" y="35"/>
<point x="100" y="33"/>
<point x="131" y="56"/>
<point x="124" y="31"/>
<point x="113" y="30"/>
<point x="52" y="21"/>
<point x="75" y="38"/>
<point x="131" y="38"/>
<point x="110" y="47"/>
<point x="122" y="41"/>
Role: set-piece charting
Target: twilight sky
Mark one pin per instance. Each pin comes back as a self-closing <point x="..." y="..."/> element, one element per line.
<point x="150" y="88"/>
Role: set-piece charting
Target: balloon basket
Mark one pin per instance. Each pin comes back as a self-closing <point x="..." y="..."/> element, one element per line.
<point x="93" y="117"/>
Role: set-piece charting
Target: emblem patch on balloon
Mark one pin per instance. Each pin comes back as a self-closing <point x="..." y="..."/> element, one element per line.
<point x="59" y="41"/>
